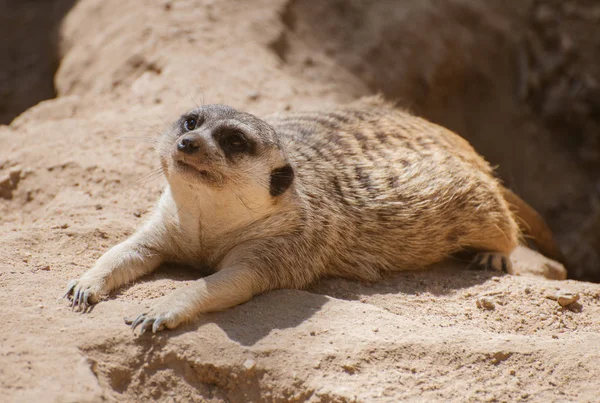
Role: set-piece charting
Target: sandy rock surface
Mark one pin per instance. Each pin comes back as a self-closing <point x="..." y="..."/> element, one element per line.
<point x="78" y="174"/>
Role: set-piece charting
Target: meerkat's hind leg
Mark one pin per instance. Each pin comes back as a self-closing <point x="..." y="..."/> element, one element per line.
<point x="495" y="243"/>
<point x="496" y="261"/>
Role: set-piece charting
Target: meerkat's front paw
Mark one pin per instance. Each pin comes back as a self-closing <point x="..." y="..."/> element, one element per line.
<point x="83" y="293"/>
<point x="491" y="261"/>
<point x="156" y="319"/>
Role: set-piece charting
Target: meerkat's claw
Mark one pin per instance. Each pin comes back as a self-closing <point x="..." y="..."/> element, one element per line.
<point x="158" y="325"/>
<point x="86" y="299"/>
<point x="82" y="302"/>
<point x="147" y="325"/>
<point x="80" y="295"/>
<point x="157" y="319"/>
<point x="70" y="288"/>
<point x="75" y="299"/>
<point x="137" y="321"/>
<point x="154" y="323"/>
<point x="491" y="261"/>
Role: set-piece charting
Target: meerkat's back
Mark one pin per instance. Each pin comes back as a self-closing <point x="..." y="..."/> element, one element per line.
<point x="390" y="190"/>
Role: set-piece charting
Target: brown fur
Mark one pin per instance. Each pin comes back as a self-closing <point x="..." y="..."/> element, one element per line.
<point x="374" y="189"/>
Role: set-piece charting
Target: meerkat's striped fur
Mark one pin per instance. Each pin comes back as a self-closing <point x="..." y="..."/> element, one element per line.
<point x="278" y="203"/>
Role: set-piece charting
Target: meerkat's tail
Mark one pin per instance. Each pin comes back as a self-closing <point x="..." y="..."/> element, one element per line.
<point x="533" y="226"/>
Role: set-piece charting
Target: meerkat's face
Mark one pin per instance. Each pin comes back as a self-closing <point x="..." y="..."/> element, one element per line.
<point x="219" y="147"/>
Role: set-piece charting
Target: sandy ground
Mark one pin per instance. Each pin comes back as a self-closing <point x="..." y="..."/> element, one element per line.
<point x="78" y="174"/>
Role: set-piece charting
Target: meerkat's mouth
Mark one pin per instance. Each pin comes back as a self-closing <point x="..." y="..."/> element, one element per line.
<point x="189" y="167"/>
<point x="198" y="172"/>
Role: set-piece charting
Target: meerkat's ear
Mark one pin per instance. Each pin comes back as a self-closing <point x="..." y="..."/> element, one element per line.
<point x="281" y="180"/>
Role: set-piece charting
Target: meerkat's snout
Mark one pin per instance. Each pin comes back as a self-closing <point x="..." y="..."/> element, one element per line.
<point x="196" y="157"/>
<point x="193" y="149"/>
<point x="188" y="144"/>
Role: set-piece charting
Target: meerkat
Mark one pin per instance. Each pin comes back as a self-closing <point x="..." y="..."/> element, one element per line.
<point x="350" y="192"/>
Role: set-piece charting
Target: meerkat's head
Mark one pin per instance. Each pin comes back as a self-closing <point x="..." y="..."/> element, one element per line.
<point x="218" y="147"/>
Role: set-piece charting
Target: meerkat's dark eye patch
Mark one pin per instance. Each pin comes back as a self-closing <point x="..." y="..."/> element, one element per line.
<point x="233" y="141"/>
<point x="281" y="180"/>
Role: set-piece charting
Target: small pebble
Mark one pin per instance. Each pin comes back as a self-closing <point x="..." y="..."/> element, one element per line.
<point x="253" y="95"/>
<point x="15" y="175"/>
<point x="249" y="364"/>
<point x="566" y="298"/>
<point x="350" y="368"/>
<point x="486" y="303"/>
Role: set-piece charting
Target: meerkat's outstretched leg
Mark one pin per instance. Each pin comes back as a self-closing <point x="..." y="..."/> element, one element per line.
<point x="224" y="289"/>
<point x="123" y="263"/>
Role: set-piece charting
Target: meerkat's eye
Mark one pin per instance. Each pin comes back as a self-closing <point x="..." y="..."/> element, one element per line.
<point x="233" y="141"/>
<point x="190" y="124"/>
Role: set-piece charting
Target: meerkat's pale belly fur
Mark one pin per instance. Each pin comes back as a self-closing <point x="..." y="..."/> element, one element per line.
<point x="375" y="189"/>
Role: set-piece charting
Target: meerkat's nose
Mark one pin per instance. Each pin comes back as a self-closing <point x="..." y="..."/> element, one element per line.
<point x="188" y="144"/>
